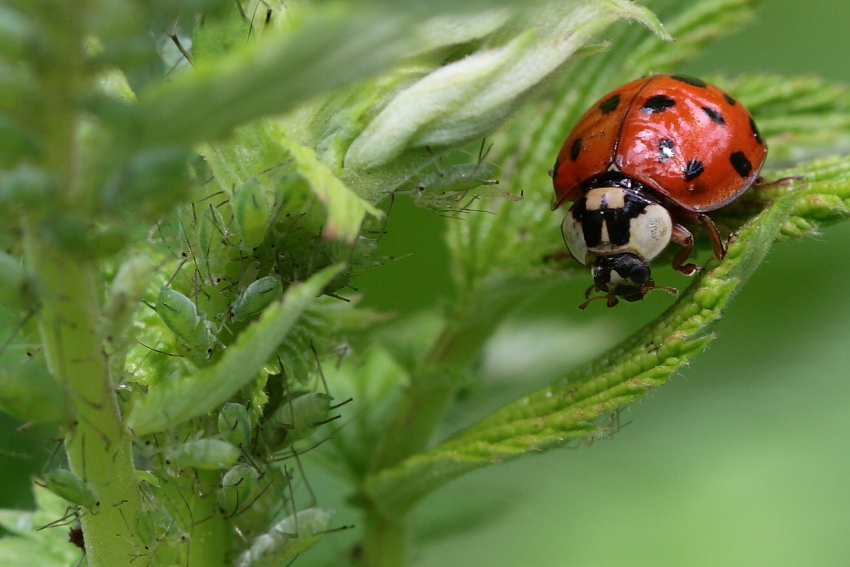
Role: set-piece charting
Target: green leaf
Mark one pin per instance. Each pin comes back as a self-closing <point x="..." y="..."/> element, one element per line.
<point x="29" y="392"/>
<point x="346" y="210"/>
<point x="567" y="408"/>
<point x="693" y="26"/>
<point x="270" y="76"/>
<point x="470" y="97"/>
<point x="172" y="403"/>
<point x="825" y="199"/>
<point x="801" y="117"/>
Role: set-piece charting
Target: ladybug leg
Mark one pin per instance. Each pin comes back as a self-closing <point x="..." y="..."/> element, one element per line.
<point x="610" y="297"/>
<point x="557" y="257"/>
<point x="716" y="241"/>
<point x="683" y="237"/>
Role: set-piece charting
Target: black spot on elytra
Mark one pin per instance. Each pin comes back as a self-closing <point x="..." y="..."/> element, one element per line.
<point x="693" y="169"/>
<point x="693" y="81"/>
<point x="665" y="149"/>
<point x="575" y="149"/>
<point x="741" y="164"/>
<point x="755" y="130"/>
<point x="730" y="100"/>
<point x="658" y="103"/>
<point x="714" y="115"/>
<point x="609" y="104"/>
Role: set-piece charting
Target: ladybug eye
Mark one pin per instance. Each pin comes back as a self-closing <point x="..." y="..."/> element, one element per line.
<point x="639" y="274"/>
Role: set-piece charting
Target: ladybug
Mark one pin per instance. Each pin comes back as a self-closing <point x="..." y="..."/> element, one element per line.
<point x="648" y="157"/>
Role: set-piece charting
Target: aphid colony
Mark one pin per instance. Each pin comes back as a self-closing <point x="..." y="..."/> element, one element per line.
<point x="234" y="253"/>
<point x="231" y="467"/>
<point x="234" y="256"/>
<point x="645" y="159"/>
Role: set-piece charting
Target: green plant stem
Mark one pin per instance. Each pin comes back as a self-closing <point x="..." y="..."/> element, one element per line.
<point x="209" y="534"/>
<point x="191" y="502"/>
<point x="385" y="541"/>
<point x="97" y="443"/>
<point x="424" y="404"/>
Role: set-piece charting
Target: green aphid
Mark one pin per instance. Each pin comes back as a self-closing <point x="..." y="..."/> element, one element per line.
<point x="300" y="417"/>
<point x="210" y="247"/>
<point x="448" y="186"/>
<point x="72" y="488"/>
<point x="155" y="526"/>
<point x="288" y="538"/>
<point x="256" y="297"/>
<point x="458" y="178"/>
<point x="206" y="454"/>
<point x="234" y="425"/>
<point x="236" y="489"/>
<point x="251" y="212"/>
<point x="179" y="314"/>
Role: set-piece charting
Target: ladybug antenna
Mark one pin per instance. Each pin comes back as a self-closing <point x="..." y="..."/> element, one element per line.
<point x="650" y="285"/>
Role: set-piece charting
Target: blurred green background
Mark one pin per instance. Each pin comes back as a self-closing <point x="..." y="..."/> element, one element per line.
<point x="743" y="459"/>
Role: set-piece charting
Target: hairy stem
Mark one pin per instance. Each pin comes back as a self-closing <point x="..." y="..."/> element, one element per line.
<point x="97" y="443"/>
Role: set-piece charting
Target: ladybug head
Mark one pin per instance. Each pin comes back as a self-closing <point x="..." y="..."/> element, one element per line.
<point x="625" y="275"/>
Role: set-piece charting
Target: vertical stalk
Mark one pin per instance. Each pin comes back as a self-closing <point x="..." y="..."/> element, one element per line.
<point x="385" y="541"/>
<point x="190" y="499"/>
<point x="210" y="537"/>
<point x="97" y="443"/>
<point x="423" y="406"/>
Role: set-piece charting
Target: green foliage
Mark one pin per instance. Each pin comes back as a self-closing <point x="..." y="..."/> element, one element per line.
<point x="185" y="208"/>
<point x="29" y="547"/>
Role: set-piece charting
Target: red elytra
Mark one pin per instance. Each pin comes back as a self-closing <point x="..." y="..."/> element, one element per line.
<point x="687" y="140"/>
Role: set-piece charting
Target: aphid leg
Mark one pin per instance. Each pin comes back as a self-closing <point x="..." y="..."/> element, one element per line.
<point x="286" y="390"/>
<point x="188" y="245"/>
<point x="291" y="499"/>
<point x="72" y="514"/>
<point x="319" y="368"/>
<point x="257" y="497"/>
<point x="16" y="330"/>
<point x="716" y="240"/>
<point x="172" y="35"/>
<point x="304" y="476"/>
<point x="683" y="237"/>
<point x="267" y="19"/>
